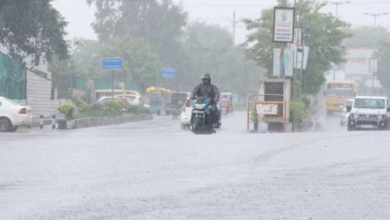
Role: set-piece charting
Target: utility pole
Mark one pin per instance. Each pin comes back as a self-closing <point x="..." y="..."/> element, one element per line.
<point x="301" y="27"/>
<point x="339" y="3"/>
<point x="375" y="16"/>
<point x="234" y="23"/>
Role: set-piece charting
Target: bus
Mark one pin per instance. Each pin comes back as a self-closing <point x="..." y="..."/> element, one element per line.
<point x="108" y="92"/>
<point x="336" y="94"/>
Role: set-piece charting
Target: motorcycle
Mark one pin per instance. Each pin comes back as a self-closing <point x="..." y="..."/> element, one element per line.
<point x="201" y="116"/>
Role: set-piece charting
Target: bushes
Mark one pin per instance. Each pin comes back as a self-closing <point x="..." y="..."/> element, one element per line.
<point x="83" y="107"/>
<point x="297" y="111"/>
<point x="67" y="109"/>
<point x="138" y="109"/>
<point x="114" y="106"/>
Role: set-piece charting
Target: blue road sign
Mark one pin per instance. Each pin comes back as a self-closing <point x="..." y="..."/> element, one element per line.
<point x="112" y="63"/>
<point x="168" y="72"/>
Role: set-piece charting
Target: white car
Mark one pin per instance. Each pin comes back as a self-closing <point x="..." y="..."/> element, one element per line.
<point x="373" y="111"/>
<point x="185" y="116"/>
<point x="344" y="113"/>
<point x="131" y="99"/>
<point x="13" y="115"/>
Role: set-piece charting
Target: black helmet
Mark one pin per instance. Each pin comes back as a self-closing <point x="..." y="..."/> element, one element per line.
<point x="206" y="76"/>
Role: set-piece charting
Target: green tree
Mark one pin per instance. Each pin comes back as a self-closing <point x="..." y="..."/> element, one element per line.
<point x="323" y="34"/>
<point x="366" y="36"/>
<point x="383" y="56"/>
<point x="140" y="62"/>
<point x="209" y="48"/>
<point x="32" y="28"/>
<point x="160" y="24"/>
<point x="84" y="60"/>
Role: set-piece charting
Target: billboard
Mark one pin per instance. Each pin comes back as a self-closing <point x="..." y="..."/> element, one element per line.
<point x="283" y="25"/>
<point x="358" y="60"/>
<point x="288" y="62"/>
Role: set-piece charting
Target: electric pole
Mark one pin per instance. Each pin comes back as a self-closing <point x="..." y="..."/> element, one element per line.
<point x="234" y="23"/>
<point x="339" y="3"/>
<point x="375" y="16"/>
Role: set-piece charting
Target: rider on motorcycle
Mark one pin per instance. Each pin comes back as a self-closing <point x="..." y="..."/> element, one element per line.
<point x="225" y="103"/>
<point x="209" y="90"/>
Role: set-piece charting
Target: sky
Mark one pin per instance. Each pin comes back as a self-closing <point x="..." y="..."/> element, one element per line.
<point x="80" y="15"/>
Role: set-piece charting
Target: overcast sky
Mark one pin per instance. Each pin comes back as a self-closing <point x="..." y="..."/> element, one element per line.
<point x="80" y="15"/>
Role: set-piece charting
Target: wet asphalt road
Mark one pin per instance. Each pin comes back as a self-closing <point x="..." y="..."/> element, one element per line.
<point x="154" y="170"/>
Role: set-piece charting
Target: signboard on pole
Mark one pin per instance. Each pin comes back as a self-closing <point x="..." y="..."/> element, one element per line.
<point x="298" y="56"/>
<point x="112" y="63"/>
<point x="373" y="65"/>
<point x="283" y="25"/>
<point x="168" y="72"/>
<point x="267" y="109"/>
<point x="288" y="62"/>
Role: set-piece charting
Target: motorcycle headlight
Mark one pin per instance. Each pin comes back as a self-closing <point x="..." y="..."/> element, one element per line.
<point x="199" y="106"/>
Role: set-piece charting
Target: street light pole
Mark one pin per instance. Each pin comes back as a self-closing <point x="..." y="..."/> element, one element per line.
<point x="375" y="15"/>
<point x="337" y="5"/>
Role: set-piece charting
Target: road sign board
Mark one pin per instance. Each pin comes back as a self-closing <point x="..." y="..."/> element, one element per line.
<point x="112" y="63"/>
<point x="168" y="72"/>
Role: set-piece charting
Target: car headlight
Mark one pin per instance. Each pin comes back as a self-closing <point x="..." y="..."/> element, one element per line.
<point x="199" y="106"/>
<point x="354" y="115"/>
<point x="380" y="117"/>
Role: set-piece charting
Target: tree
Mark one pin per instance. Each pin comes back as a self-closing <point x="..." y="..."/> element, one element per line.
<point x="158" y="24"/>
<point x="209" y="48"/>
<point x="140" y="62"/>
<point x="323" y="34"/>
<point x="383" y="56"/>
<point x="84" y="60"/>
<point x="366" y="36"/>
<point x="32" y="28"/>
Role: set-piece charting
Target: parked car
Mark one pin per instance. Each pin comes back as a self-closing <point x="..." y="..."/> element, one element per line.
<point x="131" y="98"/>
<point x="101" y="104"/>
<point x="185" y="116"/>
<point x="13" y="115"/>
<point x="344" y="114"/>
<point x="369" y="110"/>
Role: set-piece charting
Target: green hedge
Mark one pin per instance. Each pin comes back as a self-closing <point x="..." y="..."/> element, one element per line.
<point x="297" y="111"/>
<point x="137" y="109"/>
<point x="67" y="109"/>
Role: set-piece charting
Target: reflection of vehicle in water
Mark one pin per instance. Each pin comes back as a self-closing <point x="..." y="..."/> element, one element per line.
<point x="157" y="97"/>
<point x="337" y="93"/>
<point x="344" y="113"/>
<point x="366" y="110"/>
<point x="177" y="102"/>
<point x="202" y="122"/>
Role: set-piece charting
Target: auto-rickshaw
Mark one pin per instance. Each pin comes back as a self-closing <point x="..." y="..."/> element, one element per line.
<point x="230" y="96"/>
<point x="158" y="98"/>
<point x="177" y="102"/>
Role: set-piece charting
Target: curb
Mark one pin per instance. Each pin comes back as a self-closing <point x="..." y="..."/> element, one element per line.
<point x="101" y="121"/>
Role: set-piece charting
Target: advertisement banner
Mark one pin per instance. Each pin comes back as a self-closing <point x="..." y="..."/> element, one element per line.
<point x="283" y="25"/>
<point x="288" y="62"/>
<point x="358" y="60"/>
<point x="267" y="109"/>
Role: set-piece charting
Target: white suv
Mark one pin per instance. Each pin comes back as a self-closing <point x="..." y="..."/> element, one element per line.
<point x="369" y="110"/>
